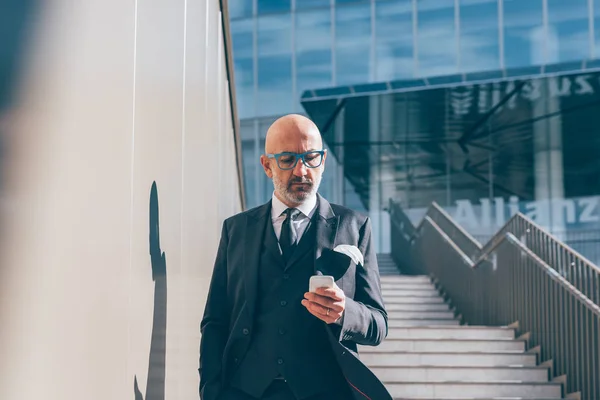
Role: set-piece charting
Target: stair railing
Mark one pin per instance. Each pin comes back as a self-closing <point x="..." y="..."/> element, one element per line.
<point x="518" y="276"/>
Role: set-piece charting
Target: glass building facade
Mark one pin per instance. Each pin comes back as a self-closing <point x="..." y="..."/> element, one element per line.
<point x="485" y="106"/>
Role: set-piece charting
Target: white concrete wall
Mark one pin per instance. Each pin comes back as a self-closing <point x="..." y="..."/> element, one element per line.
<point x="113" y="96"/>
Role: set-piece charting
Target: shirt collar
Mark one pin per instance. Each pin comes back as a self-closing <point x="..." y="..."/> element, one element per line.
<point x="307" y="208"/>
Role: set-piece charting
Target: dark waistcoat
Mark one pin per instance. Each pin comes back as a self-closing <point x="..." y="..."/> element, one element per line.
<point x="287" y="340"/>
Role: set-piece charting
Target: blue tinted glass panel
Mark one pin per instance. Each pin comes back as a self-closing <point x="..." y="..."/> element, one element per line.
<point x="274" y="85"/>
<point x="274" y="34"/>
<point x="524" y="35"/>
<point x="353" y="44"/>
<point x="313" y="71"/>
<point x="437" y="44"/>
<point x="353" y="25"/>
<point x="273" y="6"/>
<point x="394" y="40"/>
<point x="572" y="66"/>
<point x="313" y="51"/>
<point x="370" y="87"/>
<point x="249" y="159"/>
<point x="241" y="35"/>
<point x="247" y="129"/>
<point x="596" y="17"/>
<point x="479" y="35"/>
<point x="304" y="4"/>
<point x="352" y="64"/>
<point x="313" y="30"/>
<point x="240" y="8"/>
<point x="274" y="65"/>
<point x="568" y="31"/>
<point x="336" y="91"/>
<point x="350" y="1"/>
<point x="244" y="86"/>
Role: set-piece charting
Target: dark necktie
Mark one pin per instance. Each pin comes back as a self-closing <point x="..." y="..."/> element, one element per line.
<point x="288" y="237"/>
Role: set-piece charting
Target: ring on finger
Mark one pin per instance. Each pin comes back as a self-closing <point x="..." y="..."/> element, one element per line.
<point x="329" y="309"/>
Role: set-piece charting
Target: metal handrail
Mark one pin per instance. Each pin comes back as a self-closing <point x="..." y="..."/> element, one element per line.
<point x="578" y="270"/>
<point x="513" y="279"/>
<point x="494" y="244"/>
<point x="463" y="238"/>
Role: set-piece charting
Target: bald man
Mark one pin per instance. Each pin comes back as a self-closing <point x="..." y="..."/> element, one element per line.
<point x="264" y="335"/>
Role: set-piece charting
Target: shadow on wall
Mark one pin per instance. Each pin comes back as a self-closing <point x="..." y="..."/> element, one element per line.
<point x="16" y="23"/>
<point x="16" y="17"/>
<point x="155" y="384"/>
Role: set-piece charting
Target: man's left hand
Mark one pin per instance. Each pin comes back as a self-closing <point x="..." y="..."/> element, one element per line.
<point x="327" y="304"/>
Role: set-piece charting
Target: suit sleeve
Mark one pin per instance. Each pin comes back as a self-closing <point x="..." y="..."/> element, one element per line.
<point x="365" y="319"/>
<point x="215" y="325"/>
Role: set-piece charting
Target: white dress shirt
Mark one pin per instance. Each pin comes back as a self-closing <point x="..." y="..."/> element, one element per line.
<point x="307" y="210"/>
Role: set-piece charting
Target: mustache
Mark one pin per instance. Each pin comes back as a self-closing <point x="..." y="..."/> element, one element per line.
<point x="297" y="179"/>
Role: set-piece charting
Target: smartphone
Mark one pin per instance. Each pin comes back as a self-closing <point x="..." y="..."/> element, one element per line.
<point x="317" y="281"/>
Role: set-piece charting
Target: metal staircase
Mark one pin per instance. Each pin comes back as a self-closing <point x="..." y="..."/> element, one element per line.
<point x="429" y="355"/>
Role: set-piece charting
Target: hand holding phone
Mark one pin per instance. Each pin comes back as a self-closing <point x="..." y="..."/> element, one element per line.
<point x="317" y="281"/>
<point x="329" y="306"/>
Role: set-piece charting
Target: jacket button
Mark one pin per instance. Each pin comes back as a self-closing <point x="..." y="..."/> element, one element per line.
<point x="236" y="360"/>
<point x="283" y="303"/>
<point x="245" y="331"/>
<point x="280" y="361"/>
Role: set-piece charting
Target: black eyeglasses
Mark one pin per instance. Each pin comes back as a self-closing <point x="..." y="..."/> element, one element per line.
<point x="287" y="160"/>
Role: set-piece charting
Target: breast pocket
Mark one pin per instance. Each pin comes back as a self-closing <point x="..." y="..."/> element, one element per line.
<point x="335" y="264"/>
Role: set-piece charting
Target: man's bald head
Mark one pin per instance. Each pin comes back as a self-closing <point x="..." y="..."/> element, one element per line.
<point x="294" y="134"/>
<point x="291" y="133"/>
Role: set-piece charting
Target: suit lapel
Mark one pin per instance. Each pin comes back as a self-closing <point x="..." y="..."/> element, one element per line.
<point x="327" y="225"/>
<point x="254" y="233"/>
<point x="272" y="244"/>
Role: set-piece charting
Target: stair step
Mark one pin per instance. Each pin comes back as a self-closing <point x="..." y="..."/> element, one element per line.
<point x="462" y="374"/>
<point x="420" y="314"/>
<point x="407" y="286"/>
<point x="402" y="323"/>
<point x="416" y="307"/>
<point x="452" y="332"/>
<point x="458" y="390"/>
<point x="448" y="359"/>
<point x="405" y="278"/>
<point x="453" y="345"/>
<point x="428" y="292"/>
<point x="413" y="299"/>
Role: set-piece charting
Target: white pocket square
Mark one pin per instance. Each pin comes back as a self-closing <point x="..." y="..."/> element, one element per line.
<point x="351" y="251"/>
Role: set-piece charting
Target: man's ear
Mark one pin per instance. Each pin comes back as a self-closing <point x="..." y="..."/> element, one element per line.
<point x="266" y="164"/>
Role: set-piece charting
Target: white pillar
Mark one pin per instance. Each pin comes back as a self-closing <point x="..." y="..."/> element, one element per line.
<point x="112" y="97"/>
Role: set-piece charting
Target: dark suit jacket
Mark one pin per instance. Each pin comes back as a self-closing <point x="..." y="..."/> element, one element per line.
<point x="229" y="311"/>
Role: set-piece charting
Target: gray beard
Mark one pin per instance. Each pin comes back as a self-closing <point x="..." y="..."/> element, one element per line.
<point x="296" y="197"/>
